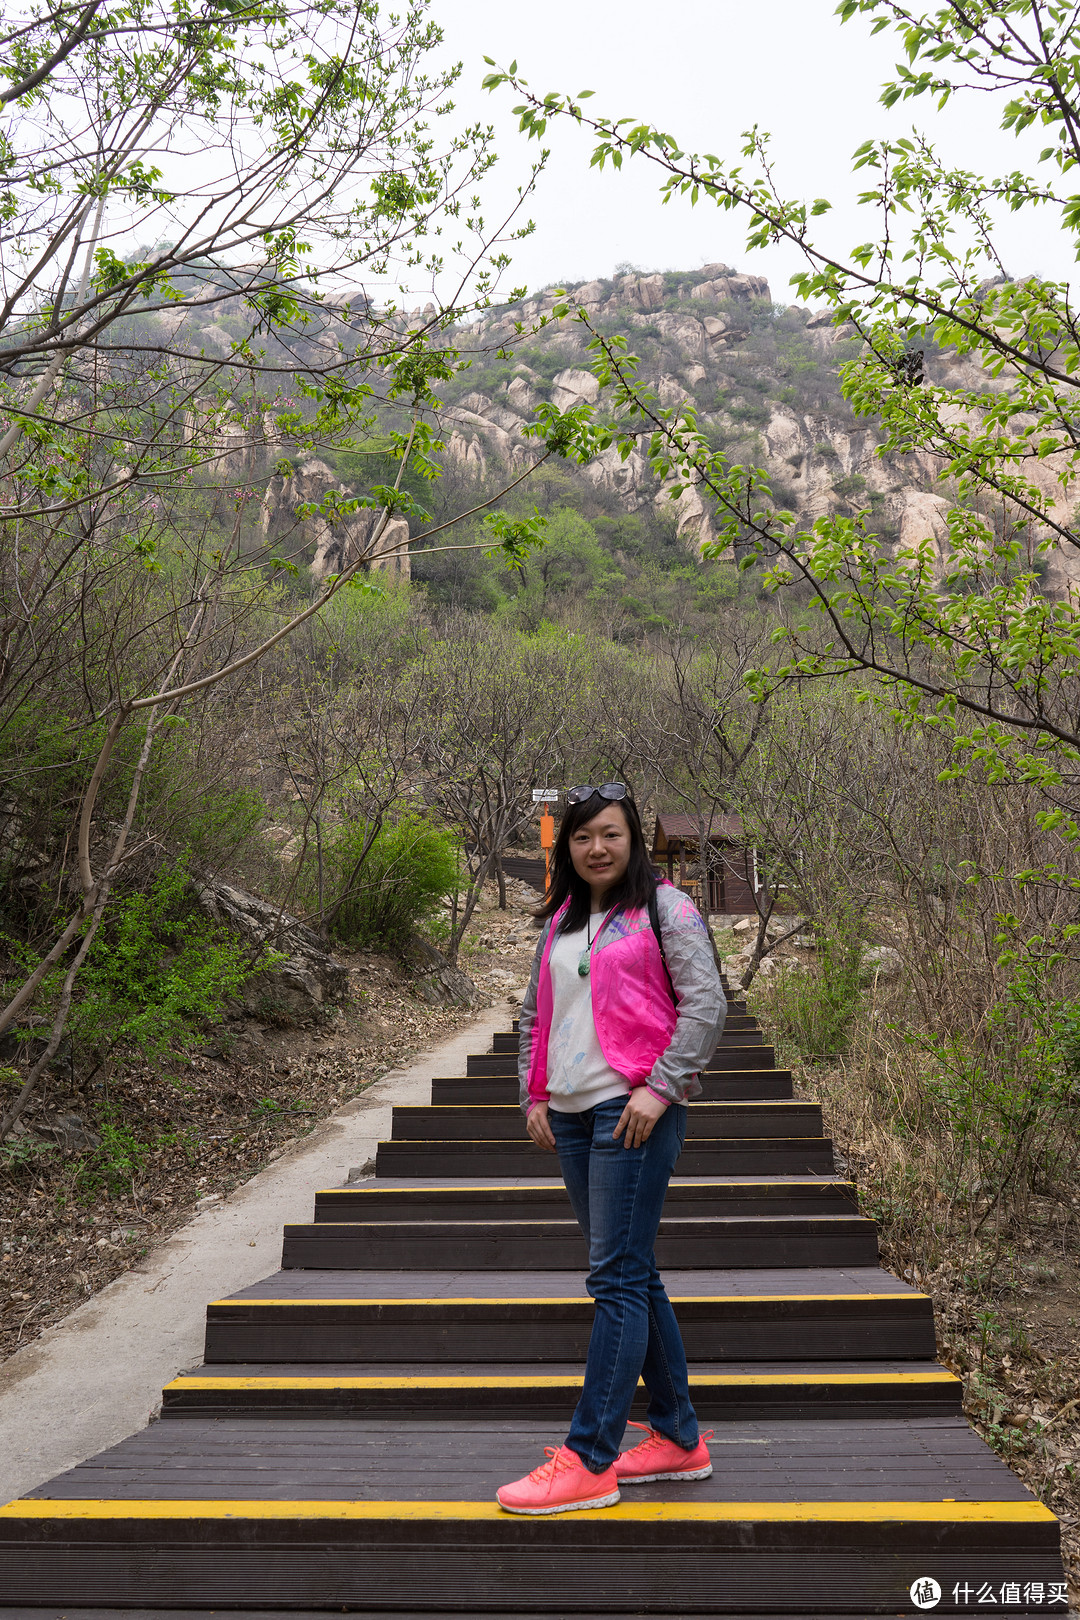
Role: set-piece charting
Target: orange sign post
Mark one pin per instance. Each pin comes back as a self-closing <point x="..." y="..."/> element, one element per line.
<point x="547" y="844"/>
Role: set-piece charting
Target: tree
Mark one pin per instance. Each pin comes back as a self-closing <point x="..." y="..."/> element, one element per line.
<point x="501" y="725"/>
<point x="697" y="726"/>
<point x="347" y="726"/>
<point x="571" y="564"/>
<point x="193" y="201"/>
<point x="970" y="641"/>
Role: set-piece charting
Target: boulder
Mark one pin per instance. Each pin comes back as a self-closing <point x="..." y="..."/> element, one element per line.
<point x="786" y="435"/>
<point x="572" y="388"/>
<point x="216" y="338"/>
<point x="880" y="962"/>
<point x="825" y="332"/>
<point x="684" y="333"/>
<point x="641" y="292"/>
<point x="304" y="981"/>
<point x="436" y="979"/>
<point x="590" y="295"/>
<point x="693" y="522"/>
<point x="497" y="437"/>
<point x="337" y="542"/>
<point x="923" y="517"/>
<point x="511" y="421"/>
<point x="69" y="1132"/>
<point x="740" y="289"/>
<point x="670" y="390"/>
<point x="480" y="403"/>
<point x="628" y="479"/>
<point x="520" y="394"/>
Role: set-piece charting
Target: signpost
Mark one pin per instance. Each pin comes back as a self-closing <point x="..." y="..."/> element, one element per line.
<point x="546" y="796"/>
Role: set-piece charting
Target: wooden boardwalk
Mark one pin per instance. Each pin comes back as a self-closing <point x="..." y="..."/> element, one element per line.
<point x="340" y="1447"/>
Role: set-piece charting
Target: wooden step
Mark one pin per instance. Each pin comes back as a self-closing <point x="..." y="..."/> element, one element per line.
<point x="723" y="1393"/>
<point x="513" y="1244"/>
<point x="729" y="991"/>
<point x="753" y="1156"/>
<point x="363" y="1514"/>
<point x="819" y="1314"/>
<point x="746" y="1055"/>
<point x="738" y="1023"/>
<point x="736" y="1008"/>
<point x="373" y="1201"/>
<point x="505" y="1122"/>
<point x="340" y="1448"/>
<point x="69" y="1611"/>
<point x="731" y="1086"/>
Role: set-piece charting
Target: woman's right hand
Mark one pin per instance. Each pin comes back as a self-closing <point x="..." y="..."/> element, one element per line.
<point x="538" y="1127"/>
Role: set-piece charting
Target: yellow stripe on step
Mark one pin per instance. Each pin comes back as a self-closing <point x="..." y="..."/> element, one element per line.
<point x="554" y="1381"/>
<point x="796" y="1184"/>
<point x="645" y="1512"/>
<point x="570" y="1299"/>
<point x="514" y="1108"/>
<point x="445" y="1144"/>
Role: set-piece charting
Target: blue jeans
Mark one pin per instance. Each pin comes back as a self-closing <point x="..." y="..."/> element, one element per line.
<point x="617" y="1194"/>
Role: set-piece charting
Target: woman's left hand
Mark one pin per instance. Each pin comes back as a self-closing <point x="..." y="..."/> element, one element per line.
<point x="639" y="1116"/>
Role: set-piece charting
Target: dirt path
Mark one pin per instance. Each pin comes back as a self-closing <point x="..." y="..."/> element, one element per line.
<point x="97" y="1375"/>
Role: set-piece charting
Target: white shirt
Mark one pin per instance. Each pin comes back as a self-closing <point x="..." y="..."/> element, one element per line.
<point x="578" y="1074"/>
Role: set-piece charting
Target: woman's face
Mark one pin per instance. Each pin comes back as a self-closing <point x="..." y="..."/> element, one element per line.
<point x="600" y="849"/>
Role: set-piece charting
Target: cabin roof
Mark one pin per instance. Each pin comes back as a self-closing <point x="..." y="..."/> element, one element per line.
<point x="674" y="828"/>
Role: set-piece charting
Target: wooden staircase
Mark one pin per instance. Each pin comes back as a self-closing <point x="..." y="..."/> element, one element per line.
<point x="424" y="1339"/>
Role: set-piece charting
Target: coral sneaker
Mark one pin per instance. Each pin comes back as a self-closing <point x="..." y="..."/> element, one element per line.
<point x="559" y="1485"/>
<point x="657" y="1457"/>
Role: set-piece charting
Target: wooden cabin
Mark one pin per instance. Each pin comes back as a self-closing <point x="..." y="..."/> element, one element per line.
<point x="730" y="865"/>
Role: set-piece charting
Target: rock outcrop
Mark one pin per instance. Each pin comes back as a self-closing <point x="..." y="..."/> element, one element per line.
<point x="336" y="542"/>
<point x="572" y="388"/>
<point x="694" y="334"/>
<point x="304" y="981"/>
<point x="436" y="979"/>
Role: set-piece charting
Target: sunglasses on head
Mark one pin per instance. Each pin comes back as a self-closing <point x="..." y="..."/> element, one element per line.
<point x="612" y="791"/>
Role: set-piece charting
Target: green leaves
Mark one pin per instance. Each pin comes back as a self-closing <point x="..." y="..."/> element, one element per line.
<point x="517" y="538"/>
<point x="569" y="434"/>
<point x="967" y="376"/>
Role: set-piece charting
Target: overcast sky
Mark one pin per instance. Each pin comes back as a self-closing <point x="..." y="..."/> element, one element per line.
<point x="705" y="70"/>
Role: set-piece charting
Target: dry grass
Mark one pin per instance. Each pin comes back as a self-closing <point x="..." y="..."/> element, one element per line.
<point x="71" y="1222"/>
<point x="1002" y="1274"/>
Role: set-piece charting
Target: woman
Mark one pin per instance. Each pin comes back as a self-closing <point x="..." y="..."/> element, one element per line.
<point x="615" y="1028"/>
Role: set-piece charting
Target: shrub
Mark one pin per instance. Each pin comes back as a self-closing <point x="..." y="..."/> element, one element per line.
<point x="117" y="1160"/>
<point x="812" y="1011"/>
<point x="410" y="867"/>
<point x="158" y="971"/>
<point x="1010" y="1104"/>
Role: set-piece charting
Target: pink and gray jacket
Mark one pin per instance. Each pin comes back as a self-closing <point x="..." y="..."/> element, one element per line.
<point x="642" y="1033"/>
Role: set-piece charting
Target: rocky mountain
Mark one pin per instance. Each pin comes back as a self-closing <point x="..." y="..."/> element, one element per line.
<point x="763" y="377"/>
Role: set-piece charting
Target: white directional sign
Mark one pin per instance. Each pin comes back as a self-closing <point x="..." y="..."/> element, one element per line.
<point x="545" y="795"/>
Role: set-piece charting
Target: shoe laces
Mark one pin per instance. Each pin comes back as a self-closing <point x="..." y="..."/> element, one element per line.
<point x="654" y="1438"/>
<point x="556" y="1462"/>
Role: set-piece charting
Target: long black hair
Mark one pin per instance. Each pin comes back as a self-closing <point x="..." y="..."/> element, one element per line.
<point x="638" y="883"/>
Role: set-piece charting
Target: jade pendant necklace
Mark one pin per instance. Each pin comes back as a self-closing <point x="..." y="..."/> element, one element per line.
<point x="583" y="959"/>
